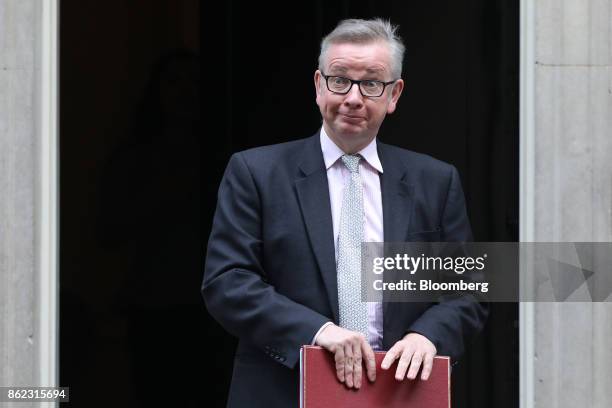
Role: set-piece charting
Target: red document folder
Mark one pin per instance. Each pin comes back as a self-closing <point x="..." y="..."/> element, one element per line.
<point x="320" y="388"/>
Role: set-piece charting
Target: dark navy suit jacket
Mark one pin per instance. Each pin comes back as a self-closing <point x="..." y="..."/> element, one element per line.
<point x="270" y="274"/>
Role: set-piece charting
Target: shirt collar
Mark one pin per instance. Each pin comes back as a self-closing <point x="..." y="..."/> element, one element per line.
<point x="331" y="152"/>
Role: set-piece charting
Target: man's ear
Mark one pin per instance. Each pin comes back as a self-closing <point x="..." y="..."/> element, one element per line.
<point x="317" y="82"/>
<point x="396" y="92"/>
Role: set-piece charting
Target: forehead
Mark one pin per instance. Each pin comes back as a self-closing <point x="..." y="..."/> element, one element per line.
<point x="372" y="57"/>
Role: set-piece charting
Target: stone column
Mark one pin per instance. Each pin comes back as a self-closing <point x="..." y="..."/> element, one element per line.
<point x="28" y="211"/>
<point x="566" y="193"/>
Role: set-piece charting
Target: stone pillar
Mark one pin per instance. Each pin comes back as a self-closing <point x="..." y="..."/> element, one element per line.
<point x="28" y="217"/>
<point x="566" y="194"/>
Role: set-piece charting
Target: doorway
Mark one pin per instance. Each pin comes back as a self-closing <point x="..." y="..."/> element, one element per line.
<point x="142" y="156"/>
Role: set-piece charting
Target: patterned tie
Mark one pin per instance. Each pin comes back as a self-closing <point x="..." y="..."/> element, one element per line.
<point x="353" y="312"/>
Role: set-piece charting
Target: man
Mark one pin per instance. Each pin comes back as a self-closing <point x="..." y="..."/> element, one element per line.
<point x="283" y="255"/>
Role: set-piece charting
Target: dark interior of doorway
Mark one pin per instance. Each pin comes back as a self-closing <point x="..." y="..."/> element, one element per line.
<point x="154" y="98"/>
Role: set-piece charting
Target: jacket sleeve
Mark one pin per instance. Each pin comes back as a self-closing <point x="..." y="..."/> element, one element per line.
<point x="235" y="288"/>
<point x="451" y="323"/>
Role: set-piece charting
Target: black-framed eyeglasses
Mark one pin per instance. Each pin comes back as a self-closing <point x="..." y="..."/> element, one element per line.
<point x="368" y="87"/>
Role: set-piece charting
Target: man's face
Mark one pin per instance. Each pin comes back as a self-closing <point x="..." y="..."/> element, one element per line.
<point x="353" y="119"/>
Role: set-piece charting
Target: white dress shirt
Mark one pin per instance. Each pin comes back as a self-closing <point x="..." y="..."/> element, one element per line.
<point x="337" y="177"/>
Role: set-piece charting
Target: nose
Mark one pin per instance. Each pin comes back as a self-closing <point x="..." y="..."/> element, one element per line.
<point x="353" y="98"/>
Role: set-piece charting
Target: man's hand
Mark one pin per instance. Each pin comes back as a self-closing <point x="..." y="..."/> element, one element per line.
<point x="350" y="349"/>
<point x="413" y="350"/>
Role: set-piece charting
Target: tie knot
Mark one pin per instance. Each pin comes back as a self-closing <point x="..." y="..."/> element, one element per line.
<point x="351" y="162"/>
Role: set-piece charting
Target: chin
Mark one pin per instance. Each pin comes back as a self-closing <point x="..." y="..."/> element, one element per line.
<point x="350" y="130"/>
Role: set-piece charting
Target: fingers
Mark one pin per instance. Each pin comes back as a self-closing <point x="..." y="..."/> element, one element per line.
<point x="403" y="363"/>
<point x="427" y="366"/>
<point x="348" y="365"/>
<point x="353" y="359"/>
<point x="415" y="365"/>
<point x="339" y="359"/>
<point x="350" y="350"/>
<point x="391" y="356"/>
<point x="369" y="359"/>
<point x="357" y="368"/>
<point x="414" y="351"/>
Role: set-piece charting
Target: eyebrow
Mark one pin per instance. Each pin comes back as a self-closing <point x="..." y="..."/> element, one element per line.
<point x="374" y="70"/>
<point x="343" y="70"/>
<point x="338" y="69"/>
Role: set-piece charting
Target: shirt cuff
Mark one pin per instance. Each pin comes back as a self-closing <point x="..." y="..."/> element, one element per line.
<point x="314" y="339"/>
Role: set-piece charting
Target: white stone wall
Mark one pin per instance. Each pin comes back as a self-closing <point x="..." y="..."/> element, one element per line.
<point x="572" y="200"/>
<point x="27" y="323"/>
<point x="18" y="112"/>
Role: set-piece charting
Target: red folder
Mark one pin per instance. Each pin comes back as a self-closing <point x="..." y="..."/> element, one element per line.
<point x="320" y="388"/>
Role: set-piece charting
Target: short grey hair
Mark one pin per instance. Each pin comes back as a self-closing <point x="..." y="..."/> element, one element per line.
<point x="357" y="31"/>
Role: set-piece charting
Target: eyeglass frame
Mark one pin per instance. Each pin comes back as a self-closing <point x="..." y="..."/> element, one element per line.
<point x="358" y="82"/>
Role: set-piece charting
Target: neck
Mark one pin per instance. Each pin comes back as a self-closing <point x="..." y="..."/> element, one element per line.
<point x="351" y="144"/>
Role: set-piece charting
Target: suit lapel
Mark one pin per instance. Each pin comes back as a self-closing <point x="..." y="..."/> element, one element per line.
<point x="397" y="201"/>
<point x="313" y="195"/>
<point x="397" y="197"/>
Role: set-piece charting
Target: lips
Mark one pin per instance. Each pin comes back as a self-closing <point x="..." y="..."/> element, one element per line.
<point x="352" y="118"/>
